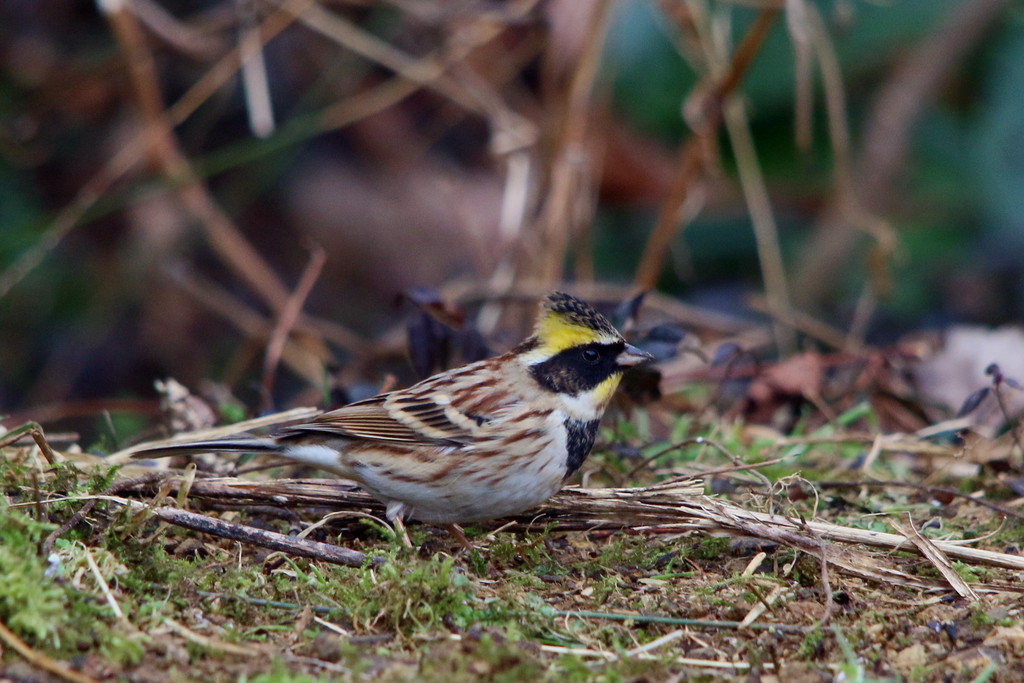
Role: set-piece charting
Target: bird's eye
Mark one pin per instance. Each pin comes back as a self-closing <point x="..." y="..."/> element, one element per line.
<point x="591" y="356"/>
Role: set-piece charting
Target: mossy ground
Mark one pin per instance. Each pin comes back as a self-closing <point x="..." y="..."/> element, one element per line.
<point x="538" y="606"/>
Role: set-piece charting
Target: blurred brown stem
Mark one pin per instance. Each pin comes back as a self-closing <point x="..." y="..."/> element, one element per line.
<point x="40" y="660"/>
<point x="166" y="155"/>
<point x="304" y="362"/>
<point x="129" y="154"/>
<point x="286" y="321"/>
<point x="899" y="104"/>
<point x="691" y="157"/>
<point x="570" y="192"/>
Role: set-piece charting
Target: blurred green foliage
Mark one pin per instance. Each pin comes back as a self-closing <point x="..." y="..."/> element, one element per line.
<point x="651" y="79"/>
<point x="960" y="217"/>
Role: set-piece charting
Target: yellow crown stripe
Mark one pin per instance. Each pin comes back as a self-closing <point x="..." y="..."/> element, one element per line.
<point x="557" y="335"/>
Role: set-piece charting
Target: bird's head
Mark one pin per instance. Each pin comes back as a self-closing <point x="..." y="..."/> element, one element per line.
<point x="575" y="352"/>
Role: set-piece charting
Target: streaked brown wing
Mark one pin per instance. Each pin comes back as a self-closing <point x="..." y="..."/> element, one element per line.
<point x="367" y="419"/>
<point x="380" y="419"/>
<point x="435" y="420"/>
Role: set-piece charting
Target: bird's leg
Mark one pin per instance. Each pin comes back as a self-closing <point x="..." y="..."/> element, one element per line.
<point x="456" y="531"/>
<point x="395" y="513"/>
<point x="401" y="531"/>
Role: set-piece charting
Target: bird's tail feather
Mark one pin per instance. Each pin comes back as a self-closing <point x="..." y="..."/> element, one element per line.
<point x="252" y="444"/>
<point x="321" y="457"/>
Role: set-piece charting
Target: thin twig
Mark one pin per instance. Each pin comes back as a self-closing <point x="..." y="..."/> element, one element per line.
<point x="766" y="233"/>
<point x="796" y="25"/>
<point x="286" y="320"/>
<point x="266" y="539"/>
<point x="39" y="660"/>
<point x="34" y="430"/>
<point x="677" y="621"/>
<point x="805" y="323"/>
<point x="303" y="360"/>
<point x="571" y="167"/>
<point x="255" y="82"/>
<point x="197" y="44"/>
<point x="998" y="382"/>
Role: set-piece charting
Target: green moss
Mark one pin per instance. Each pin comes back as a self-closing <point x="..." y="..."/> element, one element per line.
<point x="31" y="602"/>
<point x="710" y="548"/>
<point x="53" y="603"/>
<point x="1010" y="534"/>
<point x="526" y="553"/>
<point x="279" y="674"/>
<point x="971" y="573"/>
<point x="406" y="598"/>
<point x="631" y="551"/>
<point x="979" y="618"/>
<point x="811" y="643"/>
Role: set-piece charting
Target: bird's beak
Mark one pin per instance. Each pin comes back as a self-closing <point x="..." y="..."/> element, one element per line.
<point x="631" y="356"/>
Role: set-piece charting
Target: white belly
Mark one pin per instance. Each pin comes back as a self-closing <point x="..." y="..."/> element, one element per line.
<point x="499" y="487"/>
<point x="462" y="484"/>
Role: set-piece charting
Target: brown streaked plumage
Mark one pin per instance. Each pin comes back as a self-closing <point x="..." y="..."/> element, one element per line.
<point x="485" y="440"/>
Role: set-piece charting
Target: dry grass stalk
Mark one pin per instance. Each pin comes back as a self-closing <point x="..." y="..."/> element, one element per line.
<point x="876" y="168"/>
<point x="937" y="558"/>
<point x="166" y="154"/>
<point x="39" y="660"/>
<point x="286" y="321"/>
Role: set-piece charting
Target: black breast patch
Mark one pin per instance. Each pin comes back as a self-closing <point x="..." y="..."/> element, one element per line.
<point x="579" y="440"/>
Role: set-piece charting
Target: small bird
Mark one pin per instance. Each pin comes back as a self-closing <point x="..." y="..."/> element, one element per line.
<point x="485" y="440"/>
